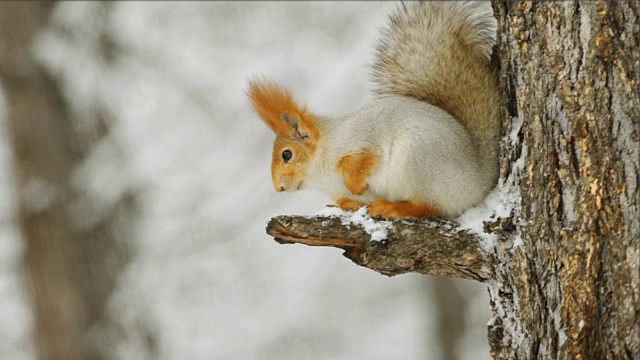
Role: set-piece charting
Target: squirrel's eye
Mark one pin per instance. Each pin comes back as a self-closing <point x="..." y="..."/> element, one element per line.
<point x="286" y="155"/>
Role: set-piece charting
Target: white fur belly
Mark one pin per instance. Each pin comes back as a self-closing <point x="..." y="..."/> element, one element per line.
<point x="389" y="181"/>
<point x="335" y="187"/>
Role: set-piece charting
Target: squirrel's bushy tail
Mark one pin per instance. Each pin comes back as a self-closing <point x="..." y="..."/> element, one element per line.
<point x="440" y="52"/>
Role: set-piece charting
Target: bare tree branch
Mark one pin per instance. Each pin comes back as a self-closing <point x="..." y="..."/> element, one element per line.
<point x="430" y="247"/>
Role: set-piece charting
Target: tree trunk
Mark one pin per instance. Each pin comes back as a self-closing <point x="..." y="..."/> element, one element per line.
<point x="71" y="269"/>
<point x="563" y="275"/>
<point x="570" y="70"/>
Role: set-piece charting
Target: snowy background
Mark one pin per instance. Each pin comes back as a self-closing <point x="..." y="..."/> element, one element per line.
<point x="205" y="280"/>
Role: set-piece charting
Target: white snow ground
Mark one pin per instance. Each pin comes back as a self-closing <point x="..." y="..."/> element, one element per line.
<point x="206" y="280"/>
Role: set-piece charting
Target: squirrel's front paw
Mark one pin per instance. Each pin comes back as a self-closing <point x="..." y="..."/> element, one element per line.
<point x="348" y="204"/>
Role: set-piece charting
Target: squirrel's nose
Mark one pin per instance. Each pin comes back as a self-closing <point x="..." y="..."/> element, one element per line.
<point x="281" y="188"/>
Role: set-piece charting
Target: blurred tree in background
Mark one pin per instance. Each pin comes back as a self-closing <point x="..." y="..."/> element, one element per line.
<point x="71" y="267"/>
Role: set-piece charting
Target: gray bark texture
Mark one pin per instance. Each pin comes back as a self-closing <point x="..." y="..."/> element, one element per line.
<point x="563" y="278"/>
<point x="71" y="269"/>
<point x="570" y="71"/>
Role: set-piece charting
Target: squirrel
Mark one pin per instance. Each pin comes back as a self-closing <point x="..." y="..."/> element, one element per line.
<point x="426" y="146"/>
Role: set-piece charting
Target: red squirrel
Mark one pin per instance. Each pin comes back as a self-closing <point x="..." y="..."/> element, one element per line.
<point x="426" y="146"/>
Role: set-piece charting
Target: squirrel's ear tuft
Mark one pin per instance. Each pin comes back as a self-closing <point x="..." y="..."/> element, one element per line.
<point x="277" y="108"/>
<point x="298" y="131"/>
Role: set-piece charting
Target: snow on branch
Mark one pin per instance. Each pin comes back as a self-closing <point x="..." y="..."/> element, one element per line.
<point x="430" y="247"/>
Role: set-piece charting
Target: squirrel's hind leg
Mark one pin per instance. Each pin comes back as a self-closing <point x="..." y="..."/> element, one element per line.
<point x="401" y="209"/>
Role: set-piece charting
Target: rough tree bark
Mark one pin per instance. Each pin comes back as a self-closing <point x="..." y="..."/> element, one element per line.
<point x="571" y="290"/>
<point x="70" y="269"/>
<point x="563" y="276"/>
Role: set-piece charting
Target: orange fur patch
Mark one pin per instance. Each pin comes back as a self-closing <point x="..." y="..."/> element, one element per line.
<point x="270" y="101"/>
<point x="356" y="168"/>
<point x="348" y="204"/>
<point x="401" y="209"/>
